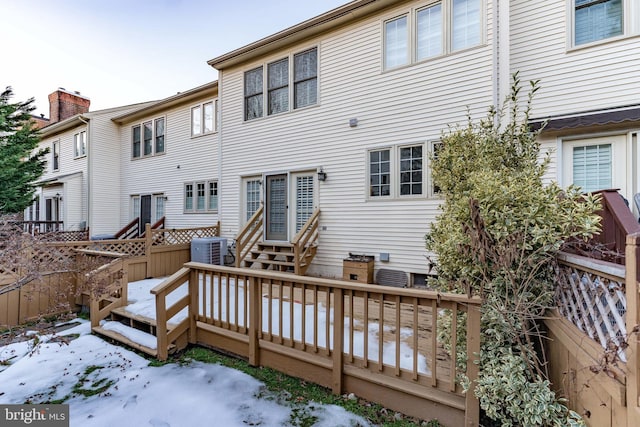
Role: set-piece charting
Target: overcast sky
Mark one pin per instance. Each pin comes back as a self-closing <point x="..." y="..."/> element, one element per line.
<point x="120" y="52"/>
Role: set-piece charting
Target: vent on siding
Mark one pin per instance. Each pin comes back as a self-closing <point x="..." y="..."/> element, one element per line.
<point x="209" y="250"/>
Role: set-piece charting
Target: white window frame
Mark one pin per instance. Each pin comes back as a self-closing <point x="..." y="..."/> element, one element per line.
<point x="395" y="171"/>
<point x="199" y="110"/>
<point x="244" y="213"/>
<point x="80" y="144"/>
<point x="291" y="84"/>
<point x="446" y="37"/>
<point x="619" y="158"/>
<point x="195" y="185"/>
<point x="630" y="24"/>
<point x="55" y="155"/>
<point x="153" y="125"/>
<point x="156" y="214"/>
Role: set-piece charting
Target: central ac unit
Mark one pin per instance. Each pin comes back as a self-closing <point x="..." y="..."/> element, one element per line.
<point x="209" y="250"/>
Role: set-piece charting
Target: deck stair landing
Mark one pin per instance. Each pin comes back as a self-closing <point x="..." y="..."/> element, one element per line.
<point x="131" y="325"/>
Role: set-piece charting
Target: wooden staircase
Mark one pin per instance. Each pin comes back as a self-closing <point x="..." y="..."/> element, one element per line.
<point x="134" y="322"/>
<point x="279" y="256"/>
<point x="294" y="257"/>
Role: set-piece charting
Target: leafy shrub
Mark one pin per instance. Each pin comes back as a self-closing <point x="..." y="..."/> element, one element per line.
<point x="497" y="236"/>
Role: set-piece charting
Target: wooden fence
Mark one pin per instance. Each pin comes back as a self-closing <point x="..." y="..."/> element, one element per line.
<point x="593" y="349"/>
<point x="160" y="253"/>
<point x="387" y="349"/>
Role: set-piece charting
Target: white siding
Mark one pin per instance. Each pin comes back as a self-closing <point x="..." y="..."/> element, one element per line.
<point x="70" y="178"/>
<point x="104" y="171"/>
<point x="572" y="80"/>
<point x="186" y="159"/>
<point x="413" y="104"/>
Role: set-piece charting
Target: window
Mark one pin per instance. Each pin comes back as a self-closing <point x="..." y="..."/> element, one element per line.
<point x="306" y="78"/>
<point x="203" y="119"/>
<point x="592" y="167"/>
<point x="201" y="196"/>
<point x="80" y="144"/>
<point x="396" y="42"/>
<point x="429" y="32"/>
<point x="253" y="94"/>
<point x="380" y="173"/>
<point x="278" y="81"/>
<point x="399" y="171"/>
<point x="159" y="213"/>
<point x="159" y="136"/>
<point x="55" y="155"/>
<point x="411" y="177"/>
<point x="596" y="163"/>
<point x="280" y="93"/>
<point x="148" y="138"/>
<point x="252" y="196"/>
<point x="441" y="27"/>
<point x="597" y="20"/>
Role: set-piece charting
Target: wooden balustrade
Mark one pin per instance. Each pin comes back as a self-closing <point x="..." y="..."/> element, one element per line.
<point x="250" y="234"/>
<point x="305" y="243"/>
<point x="375" y="341"/>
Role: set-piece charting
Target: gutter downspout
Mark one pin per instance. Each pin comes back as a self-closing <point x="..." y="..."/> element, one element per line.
<point x="219" y="117"/>
<point x="88" y="148"/>
<point x="501" y="52"/>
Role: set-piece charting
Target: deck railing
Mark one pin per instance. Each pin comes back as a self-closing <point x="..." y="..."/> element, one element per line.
<point x="375" y="341"/>
<point x="250" y="234"/>
<point x="617" y="223"/>
<point x="105" y="286"/>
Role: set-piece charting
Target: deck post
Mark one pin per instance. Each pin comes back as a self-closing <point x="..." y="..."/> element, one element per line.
<point x="161" y="326"/>
<point x="255" y="285"/>
<point x="472" y="405"/>
<point x="148" y="242"/>
<point x="632" y="254"/>
<point x="193" y="304"/>
<point x="338" y="340"/>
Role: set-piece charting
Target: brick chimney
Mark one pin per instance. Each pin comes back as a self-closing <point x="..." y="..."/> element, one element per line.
<point x="64" y="104"/>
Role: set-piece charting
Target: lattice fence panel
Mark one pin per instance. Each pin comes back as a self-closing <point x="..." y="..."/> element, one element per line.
<point x="134" y="247"/>
<point x="166" y="237"/>
<point x="595" y="304"/>
<point x="64" y="236"/>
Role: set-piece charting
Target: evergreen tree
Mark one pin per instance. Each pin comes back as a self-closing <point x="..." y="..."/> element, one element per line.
<point x="21" y="164"/>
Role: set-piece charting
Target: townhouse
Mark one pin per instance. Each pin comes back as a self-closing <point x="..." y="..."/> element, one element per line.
<point x="338" y="116"/>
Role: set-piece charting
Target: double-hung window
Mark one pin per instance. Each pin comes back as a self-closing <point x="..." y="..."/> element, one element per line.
<point x="201" y="196"/>
<point x="80" y="144"/>
<point x="292" y="80"/>
<point x="55" y="156"/>
<point x="439" y="27"/>
<point x="597" y="20"/>
<point x="203" y="118"/>
<point x="398" y="172"/>
<point x="148" y="138"/>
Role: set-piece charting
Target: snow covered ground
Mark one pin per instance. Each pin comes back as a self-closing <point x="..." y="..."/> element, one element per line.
<point x="137" y="394"/>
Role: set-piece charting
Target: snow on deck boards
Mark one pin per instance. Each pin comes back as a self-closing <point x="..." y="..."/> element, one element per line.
<point x="142" y="303"/>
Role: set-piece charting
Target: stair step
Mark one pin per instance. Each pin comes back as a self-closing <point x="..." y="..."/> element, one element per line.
<point x="124" y="340"/>
<point x="274" y="253"/>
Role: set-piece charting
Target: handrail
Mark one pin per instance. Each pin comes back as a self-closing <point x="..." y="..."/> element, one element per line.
<point x="126" y="231"/>
<point x="304" y="242"/>
<point x="105" y="276"/>
<point x="617" y="222"/>
<point x="158" y="225"/>
<point x="164" y="314"/>
<point x="249" y="236"/>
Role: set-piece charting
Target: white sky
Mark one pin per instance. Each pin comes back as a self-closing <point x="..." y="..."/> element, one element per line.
<point x="121" y="52"/>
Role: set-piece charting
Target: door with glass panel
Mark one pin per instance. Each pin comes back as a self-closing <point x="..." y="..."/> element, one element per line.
<point x="276" y="207"/>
